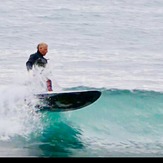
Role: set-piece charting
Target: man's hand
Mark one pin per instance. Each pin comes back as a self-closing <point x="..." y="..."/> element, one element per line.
<point x="30" y="73"/>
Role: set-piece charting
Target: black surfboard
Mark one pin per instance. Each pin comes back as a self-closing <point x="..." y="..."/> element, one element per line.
<point x="66" y="101"/>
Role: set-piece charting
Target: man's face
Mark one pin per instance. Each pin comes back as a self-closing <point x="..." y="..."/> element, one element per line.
<point x="43" y="49"/>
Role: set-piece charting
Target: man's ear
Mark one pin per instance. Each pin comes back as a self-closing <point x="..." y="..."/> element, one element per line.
<point x="38" y="46"/>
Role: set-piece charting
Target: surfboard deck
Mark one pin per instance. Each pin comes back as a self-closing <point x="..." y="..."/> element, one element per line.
<point x="66" y="101"/>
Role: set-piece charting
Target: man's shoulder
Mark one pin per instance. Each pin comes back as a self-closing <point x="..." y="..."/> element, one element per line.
<point x="34" y="54"/>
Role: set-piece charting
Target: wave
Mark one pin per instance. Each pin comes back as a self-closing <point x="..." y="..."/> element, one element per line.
<point x="123" y="122"/>
<point x="128" y="105"/>
<point x="119" y="123"/>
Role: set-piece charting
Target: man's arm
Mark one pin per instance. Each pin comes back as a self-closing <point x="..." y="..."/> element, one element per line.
<point x="29" y="65"/>
<point x="30" y="62"/>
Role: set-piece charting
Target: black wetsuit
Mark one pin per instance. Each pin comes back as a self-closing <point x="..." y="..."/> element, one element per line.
<point x="36" y="58"/>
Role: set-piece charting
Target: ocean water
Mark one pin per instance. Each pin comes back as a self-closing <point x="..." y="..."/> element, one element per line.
<point x="114" y="46"/>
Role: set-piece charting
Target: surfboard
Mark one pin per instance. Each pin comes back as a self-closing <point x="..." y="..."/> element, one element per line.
<point x="66" y="101"/>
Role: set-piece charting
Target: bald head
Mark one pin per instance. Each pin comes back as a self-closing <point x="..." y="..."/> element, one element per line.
<point x="42" y="48"/>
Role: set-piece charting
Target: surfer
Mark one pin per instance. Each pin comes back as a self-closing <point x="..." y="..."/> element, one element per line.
<point x="38" y="59"/>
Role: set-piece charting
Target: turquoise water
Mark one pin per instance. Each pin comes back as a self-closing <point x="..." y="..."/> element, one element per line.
<point x="121" y="123"/>
<point x="109" y="45"/>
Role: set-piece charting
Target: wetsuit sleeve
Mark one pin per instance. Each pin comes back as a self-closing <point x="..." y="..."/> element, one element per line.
<point x="30" y="62"/>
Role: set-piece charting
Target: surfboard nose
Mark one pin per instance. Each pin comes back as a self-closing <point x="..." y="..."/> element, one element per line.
<point x="95" y="95"/>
